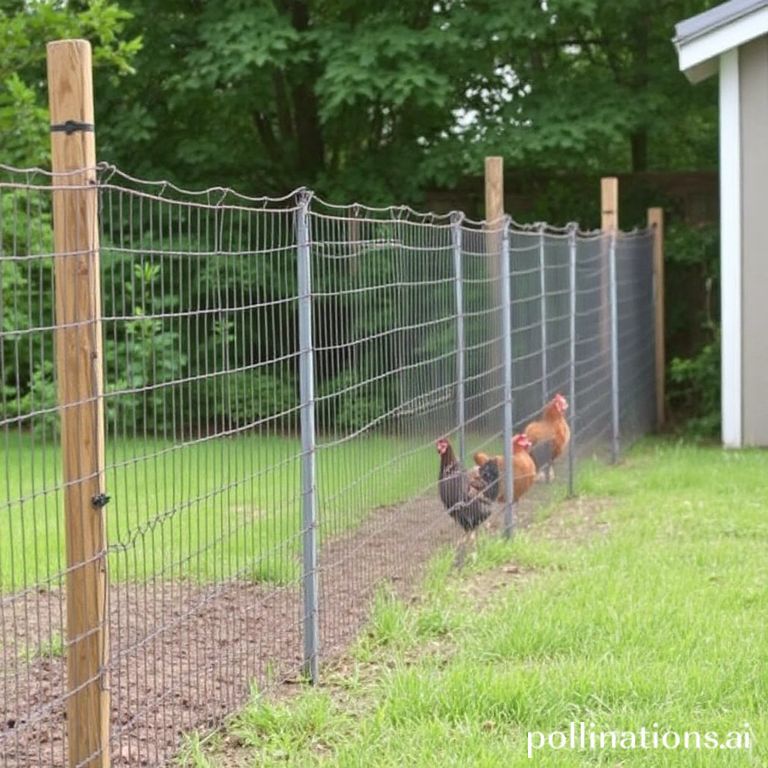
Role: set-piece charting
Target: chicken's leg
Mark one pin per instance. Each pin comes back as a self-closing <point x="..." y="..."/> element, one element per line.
<point x="473" y="543"/>
<point x="461" y="552"/>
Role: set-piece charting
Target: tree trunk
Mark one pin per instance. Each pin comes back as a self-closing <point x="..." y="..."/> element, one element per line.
<point x="310" y="146"/>
<point x="640" y="84"/>
<point x="639" y="142"/>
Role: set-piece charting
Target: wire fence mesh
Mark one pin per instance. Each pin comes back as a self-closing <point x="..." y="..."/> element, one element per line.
<point x="275" y="375"/>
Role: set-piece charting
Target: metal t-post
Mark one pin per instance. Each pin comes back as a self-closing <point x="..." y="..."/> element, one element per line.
<point x="506" y="336"/>
<point x="458" y="283"/>
<point x="308" y="443"/>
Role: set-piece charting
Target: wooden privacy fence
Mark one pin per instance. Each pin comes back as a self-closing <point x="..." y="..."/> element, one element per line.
<point x="234" y="447"/>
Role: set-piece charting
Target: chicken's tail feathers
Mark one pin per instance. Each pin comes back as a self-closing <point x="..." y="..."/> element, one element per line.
<point x="489" y="473"/>
<point x="542" y="453"/>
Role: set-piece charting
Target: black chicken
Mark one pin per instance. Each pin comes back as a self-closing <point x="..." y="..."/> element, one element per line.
<point x="543" y="455"/>
<point x="466" y="495"/>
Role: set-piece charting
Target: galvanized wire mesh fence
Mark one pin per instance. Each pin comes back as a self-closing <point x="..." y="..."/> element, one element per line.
<point x="275" y="374"/>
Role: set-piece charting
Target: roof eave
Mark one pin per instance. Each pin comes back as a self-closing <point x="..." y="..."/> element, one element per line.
<point x="699" y="72"/>
<point x="698" y="55"/>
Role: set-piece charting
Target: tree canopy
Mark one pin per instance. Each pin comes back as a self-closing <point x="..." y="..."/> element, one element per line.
<point x="362" y="99"/>
<point x="25" y="28"/>
<point x="359" y="100"/>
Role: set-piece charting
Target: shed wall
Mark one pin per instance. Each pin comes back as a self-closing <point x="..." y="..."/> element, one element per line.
<point x="753" y="76"/>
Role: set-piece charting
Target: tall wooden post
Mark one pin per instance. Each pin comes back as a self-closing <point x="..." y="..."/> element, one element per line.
<point x="79" y="373"/>
<point x="494" y="189"/>
<point x="656" y="224"/>
<point x="499" y="273"/>
<point x="494" y="215"/>
<point x="609" y="224"/>
<point x="609" y="204"/>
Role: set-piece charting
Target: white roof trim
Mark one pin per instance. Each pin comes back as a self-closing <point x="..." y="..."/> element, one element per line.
<point x="698" y="56"/>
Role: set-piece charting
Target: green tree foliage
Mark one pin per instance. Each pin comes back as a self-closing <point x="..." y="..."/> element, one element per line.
<point x="375" y="101"/>
<point x="694" y="371"/>
<point x="268" y="96"/>
<point x="355" y="98"/>
<point x="25" y="28"/>
<point x="589" y="85"/>
<point x="26" y="284"/>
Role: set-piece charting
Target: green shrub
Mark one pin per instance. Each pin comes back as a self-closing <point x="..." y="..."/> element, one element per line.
<point x="249" y="396"/>
<point x="694" y="389"/>
<point x="693" y="376"/>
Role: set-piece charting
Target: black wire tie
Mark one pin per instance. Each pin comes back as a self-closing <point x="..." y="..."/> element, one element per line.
<point x="71" y="126"/>
<point x="101" y="500"/>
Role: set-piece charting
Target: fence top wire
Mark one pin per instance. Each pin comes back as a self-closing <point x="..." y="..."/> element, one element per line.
<point x="110" y="177"/>
<point x="395" y="213"/>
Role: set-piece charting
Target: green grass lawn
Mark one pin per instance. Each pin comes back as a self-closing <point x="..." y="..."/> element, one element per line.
<point x="642" y="604"/>
<point x="202" y="510"/>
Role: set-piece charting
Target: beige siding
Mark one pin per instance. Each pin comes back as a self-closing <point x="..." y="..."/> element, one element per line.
<point x="754" y="145"/>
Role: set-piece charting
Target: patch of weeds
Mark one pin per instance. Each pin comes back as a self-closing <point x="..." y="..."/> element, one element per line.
<point x="192" y="752"/>
<point x="391" y="626"/>
<point x="311" y="722"/>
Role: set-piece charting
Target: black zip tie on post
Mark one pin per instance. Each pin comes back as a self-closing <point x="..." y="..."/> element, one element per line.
<point x="100" y="500"/>
<point x="71" y="126"/>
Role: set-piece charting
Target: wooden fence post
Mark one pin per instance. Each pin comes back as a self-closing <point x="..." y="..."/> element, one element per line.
<point x="609" y="204"/>
<point x="79" y="378"/>
<point x="494" y="188"/>
<point x="499" y="266"/>
<point x="656" y="223"/>
<point x="494" y="212"/>
<point x="609" y="224"/>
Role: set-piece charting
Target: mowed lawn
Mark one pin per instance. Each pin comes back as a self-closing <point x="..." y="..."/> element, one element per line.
<point x="204" y="510"/>
<point x="643" y="604"/>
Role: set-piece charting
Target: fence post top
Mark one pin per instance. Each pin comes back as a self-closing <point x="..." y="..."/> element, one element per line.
<point x="74" y="42"/>
<point x="304" y="196"/>
<point x="457" y="218"/>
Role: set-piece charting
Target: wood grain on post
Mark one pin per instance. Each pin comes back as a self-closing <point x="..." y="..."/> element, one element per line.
<point x="494" y="189"/>
<point x="656" y="223"/>
<point x="494" y="213"/>
<point x="609" y="204"/>
<point x="79" y="378"/>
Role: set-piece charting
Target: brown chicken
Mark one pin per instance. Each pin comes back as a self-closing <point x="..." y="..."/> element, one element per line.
<point x="549" y="435"/>
<point x="523" y="467"/>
